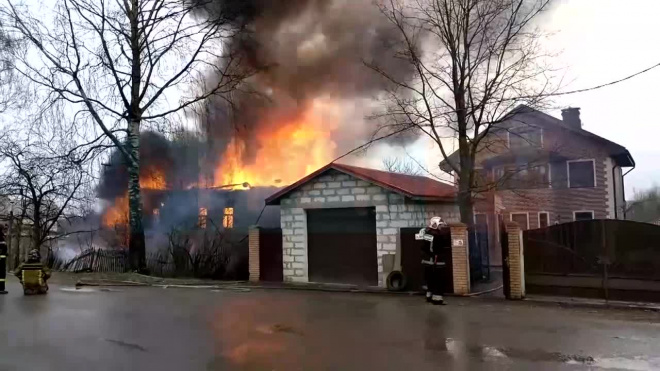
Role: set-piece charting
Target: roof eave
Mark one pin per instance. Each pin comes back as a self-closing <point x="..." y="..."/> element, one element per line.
<point x="624" y="159"/>
<point x="447" y="199"/>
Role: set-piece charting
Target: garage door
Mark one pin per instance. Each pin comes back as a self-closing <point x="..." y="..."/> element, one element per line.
<point x="341" y="246"/>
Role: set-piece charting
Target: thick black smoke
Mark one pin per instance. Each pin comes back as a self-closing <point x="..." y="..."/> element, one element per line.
<point x="177" y="160"/>
<point x="303" y="49"/>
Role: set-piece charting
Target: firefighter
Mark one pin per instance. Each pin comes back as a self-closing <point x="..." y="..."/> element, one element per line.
<point x="33" y="275"/>
<point x="431" y="260"/>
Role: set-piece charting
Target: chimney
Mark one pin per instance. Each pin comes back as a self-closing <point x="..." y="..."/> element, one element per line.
<point x="571" y="117"/>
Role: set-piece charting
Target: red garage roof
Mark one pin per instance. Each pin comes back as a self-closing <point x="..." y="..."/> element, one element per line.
<point x="413" y="186"/>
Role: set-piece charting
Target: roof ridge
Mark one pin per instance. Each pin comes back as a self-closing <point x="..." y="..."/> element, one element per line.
<point x="390" y="172"/>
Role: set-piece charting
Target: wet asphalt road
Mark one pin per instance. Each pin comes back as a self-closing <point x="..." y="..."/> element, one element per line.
<point x="200" y="329"/>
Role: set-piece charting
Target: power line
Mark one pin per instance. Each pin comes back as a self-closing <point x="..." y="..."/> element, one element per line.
<point x="531" y="96"/>
<point x="598" y="86"/>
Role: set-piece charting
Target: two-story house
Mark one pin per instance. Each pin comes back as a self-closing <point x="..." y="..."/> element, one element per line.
<point x="538" y="170"/>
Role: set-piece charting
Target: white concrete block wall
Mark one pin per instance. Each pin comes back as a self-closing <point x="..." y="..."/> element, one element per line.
<point x="337" y="190"/>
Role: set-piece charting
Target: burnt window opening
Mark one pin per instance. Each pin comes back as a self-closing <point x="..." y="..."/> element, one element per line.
<point x="202" y="217"/>
<point x="228" y="218"/>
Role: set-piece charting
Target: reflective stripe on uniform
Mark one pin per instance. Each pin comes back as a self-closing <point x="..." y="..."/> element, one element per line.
<point x="2" y="280"/>
<point x="3" y="256"/>
<point x="430" y="262"/>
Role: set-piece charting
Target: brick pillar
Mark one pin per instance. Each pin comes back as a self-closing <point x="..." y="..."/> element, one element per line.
<point x="515" y="261"/>
<point x="460" y="258"/>
<point x="253" y="254"/>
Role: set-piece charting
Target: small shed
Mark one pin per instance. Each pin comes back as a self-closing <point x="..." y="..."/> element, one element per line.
<point x="340" y="222"/>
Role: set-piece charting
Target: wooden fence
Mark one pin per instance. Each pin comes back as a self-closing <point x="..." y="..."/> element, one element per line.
<point x="97" y="260"/>
<point x="159" y="263"/>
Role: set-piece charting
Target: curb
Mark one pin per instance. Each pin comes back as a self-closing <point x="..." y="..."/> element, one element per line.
<point x="243" y="287"/>
<point x="652" y="307"/>
<point x="549" y="301"/>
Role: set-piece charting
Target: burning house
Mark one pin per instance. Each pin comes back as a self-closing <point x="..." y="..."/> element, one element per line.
<point x="304" y="105"/>
<point x="173" y="199"/>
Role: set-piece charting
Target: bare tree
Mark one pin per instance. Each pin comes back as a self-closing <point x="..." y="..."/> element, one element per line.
<point x="645" y="205"/>
<point x="47" y="189"/>
<point x="120" y="65"/>
<point x="474" y="60"/>
<point x="401" y="166"/>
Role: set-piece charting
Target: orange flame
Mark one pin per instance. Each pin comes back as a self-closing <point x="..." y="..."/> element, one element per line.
<point x="117" y="213"/>
<point x="286" y="153"/>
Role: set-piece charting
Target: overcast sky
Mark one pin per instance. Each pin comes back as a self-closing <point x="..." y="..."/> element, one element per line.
<point x="601" y="41"/>
<point x="604" y="40"/>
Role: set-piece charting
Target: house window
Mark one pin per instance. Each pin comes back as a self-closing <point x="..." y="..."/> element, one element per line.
<point x="581" y="173"/>
<point x="202" y="217"/>
<point x="544" y="219"/>
<point x="583" y="215"/>
<point x="524" y="177"/>
<point x="525" y="136"/>
<point x="228" y="218"/>
<point x="522" y="219"/>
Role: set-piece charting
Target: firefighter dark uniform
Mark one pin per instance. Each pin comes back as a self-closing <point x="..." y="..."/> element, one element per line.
<point x="33" y="275"/>
<point x="432" y="261"/>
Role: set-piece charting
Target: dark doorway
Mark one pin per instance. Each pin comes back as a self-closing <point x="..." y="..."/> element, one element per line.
<point x="341" y="246"/>
<point x="270" y="255"/>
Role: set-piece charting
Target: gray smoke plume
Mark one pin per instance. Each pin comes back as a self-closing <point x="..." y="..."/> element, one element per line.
<point x="303" y="49"/>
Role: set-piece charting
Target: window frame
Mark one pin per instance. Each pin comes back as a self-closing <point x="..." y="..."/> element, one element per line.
<point x="517" y="171"/>
<point x="228" y="217"/>
<point x="202" y="217"/>
<point x="593" y="215"/>
<point x="568" y="172"/>
<point x="520" y="212"/>
<point x="539" y="218"/>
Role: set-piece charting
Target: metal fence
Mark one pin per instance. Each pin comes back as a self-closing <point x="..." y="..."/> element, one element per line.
<point x="594" y="258"/>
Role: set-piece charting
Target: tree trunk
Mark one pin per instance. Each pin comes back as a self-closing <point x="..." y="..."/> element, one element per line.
<point x="13" y="263"/>
<point x="36" y="227"/>
<point x="465" y="154"/>
<point x="136" y="244"/>
<point x="465" y="196"/>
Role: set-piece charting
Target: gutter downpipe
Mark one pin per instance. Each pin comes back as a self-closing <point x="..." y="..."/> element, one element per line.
<point x="616" y="211"/>
<point x="623" y="184"/>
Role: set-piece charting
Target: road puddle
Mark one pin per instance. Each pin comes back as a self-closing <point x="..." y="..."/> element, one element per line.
<point x="77" y="289"/>
<point x="460" y="349"/>
<point x="620" y="363"/>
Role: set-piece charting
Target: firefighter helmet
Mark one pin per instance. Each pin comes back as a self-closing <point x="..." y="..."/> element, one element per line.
<point x="436" y="222"/>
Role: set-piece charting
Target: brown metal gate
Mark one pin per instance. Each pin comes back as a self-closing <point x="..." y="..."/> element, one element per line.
<point x="609" y="259"/>
<point x="270" y="255"/>
<point x="411" y="260"/>
<point x="341" y="246"/>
